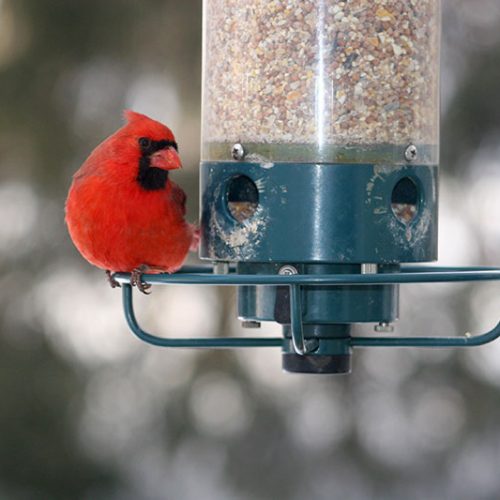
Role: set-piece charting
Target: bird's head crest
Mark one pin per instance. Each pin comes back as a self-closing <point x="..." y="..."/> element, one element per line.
<point x="132" y="116"/>
<point x="145" y="126"/>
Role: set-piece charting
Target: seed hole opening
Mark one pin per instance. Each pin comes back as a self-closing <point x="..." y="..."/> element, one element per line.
<point x="242" y="198"/>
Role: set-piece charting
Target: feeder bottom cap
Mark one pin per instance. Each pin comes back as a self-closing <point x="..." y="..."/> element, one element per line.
<point x="336" y="364"/>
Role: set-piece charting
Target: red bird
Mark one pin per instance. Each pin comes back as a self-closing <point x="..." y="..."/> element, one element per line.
<point x="123" y="212"/>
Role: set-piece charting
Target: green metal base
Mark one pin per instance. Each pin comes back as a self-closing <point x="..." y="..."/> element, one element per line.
<point x="318" y="213"/>
<point x="321" y="305"/>
<point x="319" y="219"/>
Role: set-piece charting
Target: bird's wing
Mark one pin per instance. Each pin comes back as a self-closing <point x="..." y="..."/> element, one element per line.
<point x="97" y="163"/>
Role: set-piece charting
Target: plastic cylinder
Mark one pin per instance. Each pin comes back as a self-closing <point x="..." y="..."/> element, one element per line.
<point x="321" y="81"/>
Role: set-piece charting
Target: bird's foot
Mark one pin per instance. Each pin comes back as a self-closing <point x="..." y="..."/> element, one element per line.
<point x="111" y="279"/>
<point x="136" y="280"/>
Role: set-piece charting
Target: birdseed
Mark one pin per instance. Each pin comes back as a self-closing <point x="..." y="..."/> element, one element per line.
<point x="360" y="75"/>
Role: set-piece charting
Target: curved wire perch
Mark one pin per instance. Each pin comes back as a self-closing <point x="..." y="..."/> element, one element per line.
<point x="465" y="341"/>
<point x="301" y="345"/>
<point x="216" y="342"/>
<point x="413" y="275"/>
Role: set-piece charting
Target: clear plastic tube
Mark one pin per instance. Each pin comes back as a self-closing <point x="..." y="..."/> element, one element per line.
<point x="321" y="81"/>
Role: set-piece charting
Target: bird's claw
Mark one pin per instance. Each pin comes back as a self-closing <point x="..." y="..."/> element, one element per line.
<point x="111" y="279"/>
<point x="136" y="280"/>
<point x="195" y="242"/>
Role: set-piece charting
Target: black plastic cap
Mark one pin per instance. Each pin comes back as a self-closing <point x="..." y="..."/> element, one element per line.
<point x="338" y="364"/>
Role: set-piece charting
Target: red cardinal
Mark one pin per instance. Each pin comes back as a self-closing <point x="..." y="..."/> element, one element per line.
<point x="123" y="212"/>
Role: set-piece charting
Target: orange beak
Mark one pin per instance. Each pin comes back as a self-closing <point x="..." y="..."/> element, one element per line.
<point x="167" y="159"/>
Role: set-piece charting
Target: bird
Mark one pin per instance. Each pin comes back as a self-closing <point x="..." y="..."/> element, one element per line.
<point x="123" y="212"/>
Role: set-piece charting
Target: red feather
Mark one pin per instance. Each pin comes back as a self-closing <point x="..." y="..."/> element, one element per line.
<point x="116" y="223"/>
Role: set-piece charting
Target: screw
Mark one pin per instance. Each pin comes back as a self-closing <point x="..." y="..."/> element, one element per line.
<point x="221" y="267"/>
<point x="411" y="152"/>
<point x="250" y="324"/>
<point x="238" y="151"/>
<point x="384" y="327"/>
<point x="288" y="270"/>
<point x="369" y="268"/>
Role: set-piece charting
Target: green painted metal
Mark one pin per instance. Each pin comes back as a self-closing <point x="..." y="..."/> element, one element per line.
<point x="321" y="304"/>
<point x="425" y="274"/>
<point x="318" y="213"/>
<point x="333" y="346"/>
<point x="464" y="341"/>
<point x="213" y="343"/>
<point x="324" y="219"/>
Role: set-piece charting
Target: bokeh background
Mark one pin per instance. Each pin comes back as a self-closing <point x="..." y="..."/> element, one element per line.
<point x="89" y="412"/>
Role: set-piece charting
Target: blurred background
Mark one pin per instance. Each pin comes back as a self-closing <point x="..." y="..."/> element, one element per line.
<point x="89" y="412"/>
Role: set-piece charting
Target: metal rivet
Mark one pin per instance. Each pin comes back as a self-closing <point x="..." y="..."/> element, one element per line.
<point x="288" y="270"/>
<point x="411" y="152"/>
<point x="238" y="151"/>
<point x="384" y="327"/>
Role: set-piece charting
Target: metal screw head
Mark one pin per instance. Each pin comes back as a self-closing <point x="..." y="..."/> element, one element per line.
<point x="250" y="324"/>
<point x="384" y="327"/>
<point x="221" y="267"/>
<point x="238" y="151"/>
<point x="288" y="270"/>
<point x="411" y="152"/>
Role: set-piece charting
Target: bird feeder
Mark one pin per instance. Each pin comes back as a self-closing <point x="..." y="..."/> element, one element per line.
<point x="319" y="172"/>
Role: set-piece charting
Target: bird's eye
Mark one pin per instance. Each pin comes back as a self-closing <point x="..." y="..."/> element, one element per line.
<point x="144" y="142"/>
